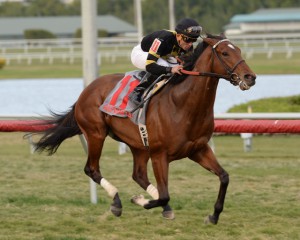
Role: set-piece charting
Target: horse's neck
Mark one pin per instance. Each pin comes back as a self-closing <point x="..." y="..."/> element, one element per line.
<point x="199" y="92"/>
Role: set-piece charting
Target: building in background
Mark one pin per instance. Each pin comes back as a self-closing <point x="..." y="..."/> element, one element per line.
<point x="62" y="26"/>
<point x="67" y="1"/>
<point x="265" y="21"/>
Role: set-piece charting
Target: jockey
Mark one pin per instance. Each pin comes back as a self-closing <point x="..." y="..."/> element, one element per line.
<point x="157" y="51"/>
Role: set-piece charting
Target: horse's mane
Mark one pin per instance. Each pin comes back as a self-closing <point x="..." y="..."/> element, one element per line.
<point x="190" y="58"/>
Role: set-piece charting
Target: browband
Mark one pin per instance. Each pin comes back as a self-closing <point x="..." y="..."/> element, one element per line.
<point x="223" y="40"/>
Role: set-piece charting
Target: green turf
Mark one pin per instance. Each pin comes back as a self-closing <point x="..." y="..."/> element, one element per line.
<point x="47" y="198"/>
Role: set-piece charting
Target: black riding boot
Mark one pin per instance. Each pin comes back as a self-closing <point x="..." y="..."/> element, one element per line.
<point x="136" y="95"/>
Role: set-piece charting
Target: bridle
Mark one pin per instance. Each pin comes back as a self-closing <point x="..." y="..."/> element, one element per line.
<point x="230" y="76"/>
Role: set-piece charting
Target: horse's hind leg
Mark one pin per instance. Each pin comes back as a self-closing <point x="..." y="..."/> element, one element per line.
<point x="206" y="158"/>
<point x="92" y="169"/>
<point x="140" y="175"/>
<point x="94" y="145"/>
<point x="92" y="124"/>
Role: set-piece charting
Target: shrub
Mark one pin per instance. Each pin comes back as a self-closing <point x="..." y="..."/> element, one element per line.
<point x="38" y="34"/>
<point x="2" y="62"/>
<point x="295" y="100"/>
<point x="101" y="33"/>
<point x="77" y="34"/>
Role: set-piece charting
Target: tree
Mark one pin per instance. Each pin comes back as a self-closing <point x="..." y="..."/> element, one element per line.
<point x="211" y="14"/>
<point x="45" y="8"/>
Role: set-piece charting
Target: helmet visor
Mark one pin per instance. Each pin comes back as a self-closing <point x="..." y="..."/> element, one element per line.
<point x="193" y="30"/>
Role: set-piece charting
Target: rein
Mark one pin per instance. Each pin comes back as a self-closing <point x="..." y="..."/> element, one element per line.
<point x="207" y="74"/>
<point x="230" y="76"/>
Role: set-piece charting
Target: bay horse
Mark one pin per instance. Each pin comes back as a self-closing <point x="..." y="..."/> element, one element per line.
<point x="180" y="122"/>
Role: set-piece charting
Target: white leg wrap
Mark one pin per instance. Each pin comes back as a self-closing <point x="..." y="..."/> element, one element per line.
<point x="109" y="188"/>
<point x="140" y="200"/>
<point x="152" y="190"/>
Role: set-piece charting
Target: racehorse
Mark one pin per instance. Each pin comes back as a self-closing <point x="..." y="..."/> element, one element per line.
<point x="180" y="122"/>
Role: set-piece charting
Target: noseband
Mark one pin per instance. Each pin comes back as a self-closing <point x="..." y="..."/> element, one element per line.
<point x="231" y="75"/>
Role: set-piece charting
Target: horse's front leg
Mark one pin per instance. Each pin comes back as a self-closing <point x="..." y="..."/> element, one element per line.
<point x="140" y="175"/>
<point x="160" y="167"/>
<point x="206" y="158"/>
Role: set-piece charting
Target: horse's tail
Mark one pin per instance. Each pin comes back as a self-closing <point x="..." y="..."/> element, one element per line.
<point x="62" y="126"/>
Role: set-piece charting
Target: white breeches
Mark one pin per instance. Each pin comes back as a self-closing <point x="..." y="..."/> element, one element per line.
<point x="139" y="58"/>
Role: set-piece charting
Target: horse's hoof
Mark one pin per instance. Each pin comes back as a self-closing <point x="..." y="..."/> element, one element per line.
<point x="210" y="220"/>
<point x="168" y="215"/>
<point x="116" y="211"/>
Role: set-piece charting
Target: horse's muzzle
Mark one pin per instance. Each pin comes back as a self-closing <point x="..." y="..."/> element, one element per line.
<point x="247" y="82"/>
<point x="243" y="86"/>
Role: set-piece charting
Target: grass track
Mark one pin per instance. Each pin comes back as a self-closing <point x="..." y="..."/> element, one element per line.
<point x="48" y="197"/>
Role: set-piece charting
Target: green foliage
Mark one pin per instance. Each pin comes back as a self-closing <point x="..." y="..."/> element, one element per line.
<point x="279" y="104"/>
<point x="212" y="14"/>
<point x="38" y="34"/>
<point x="123" y="9"/>
<point x="295" y="100"/>
<point x="39" y="8"/>
<point x="100" y="33"/>
<point x="2" y="62"/>
<point x="78" y="33"/>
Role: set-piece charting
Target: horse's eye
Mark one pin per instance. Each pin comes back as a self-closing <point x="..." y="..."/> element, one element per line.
<point x="225" y="54"/>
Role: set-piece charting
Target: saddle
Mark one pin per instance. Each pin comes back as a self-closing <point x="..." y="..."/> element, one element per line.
<point x="118" y="103"/>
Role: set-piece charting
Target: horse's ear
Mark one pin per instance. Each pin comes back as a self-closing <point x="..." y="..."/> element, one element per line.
<point x="209" y="41"/>
<point x="223" y="35"/>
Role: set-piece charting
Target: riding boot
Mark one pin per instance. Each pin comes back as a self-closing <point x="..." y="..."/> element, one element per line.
<point x="136" y="95"/>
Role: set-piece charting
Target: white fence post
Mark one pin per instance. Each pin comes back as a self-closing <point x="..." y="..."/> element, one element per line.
<point x="89" y="56"/>
<point x="247" y="137"/>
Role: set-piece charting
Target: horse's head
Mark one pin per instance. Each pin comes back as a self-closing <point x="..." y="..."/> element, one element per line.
<point x="227" y="61"/>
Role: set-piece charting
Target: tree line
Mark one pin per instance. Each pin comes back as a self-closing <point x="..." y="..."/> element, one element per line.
<point x="211" y="14"/>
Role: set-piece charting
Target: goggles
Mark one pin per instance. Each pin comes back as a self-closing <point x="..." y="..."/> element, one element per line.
<point x="188" y="39"/>
<point x="193" y="29"/>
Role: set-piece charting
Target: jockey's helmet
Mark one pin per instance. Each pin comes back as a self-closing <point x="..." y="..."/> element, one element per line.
<point x="188" y="27"/>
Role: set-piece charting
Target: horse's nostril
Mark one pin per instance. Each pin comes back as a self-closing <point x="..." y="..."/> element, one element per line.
<point x="251" y="78"/>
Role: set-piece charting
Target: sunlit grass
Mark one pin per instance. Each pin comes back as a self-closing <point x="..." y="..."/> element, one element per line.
<point x="278" y="64"/>
<point x="265" y="105"/>
<point x="46" y="197"/>
<point x="61" y="69"/>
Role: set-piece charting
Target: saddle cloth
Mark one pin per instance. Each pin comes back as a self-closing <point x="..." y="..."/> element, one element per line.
<point x="117" y="102"/>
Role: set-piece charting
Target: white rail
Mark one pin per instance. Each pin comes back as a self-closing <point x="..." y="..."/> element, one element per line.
<point x="113" y="48"/>
<point x="64" y="56"/>
<point x="286" y="116"/>
<point x="65" y="42"/>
